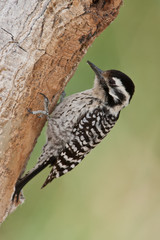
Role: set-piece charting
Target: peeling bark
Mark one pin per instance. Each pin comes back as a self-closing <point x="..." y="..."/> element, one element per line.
<point x="41" y="44"/>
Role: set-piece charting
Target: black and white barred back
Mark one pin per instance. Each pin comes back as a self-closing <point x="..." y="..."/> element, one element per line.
<point x="91" y="128"/>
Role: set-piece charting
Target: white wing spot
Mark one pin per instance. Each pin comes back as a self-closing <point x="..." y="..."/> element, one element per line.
<point x="57" y="174"/>
<point x="88" y="115"/>
<point x="73" y="166"/>
<point x="85" y="120"/>
<point x="84" y="142"/>
<point x="93" y="123"/>
<point x="82" y="138"/>
<point x="85" y="148"/>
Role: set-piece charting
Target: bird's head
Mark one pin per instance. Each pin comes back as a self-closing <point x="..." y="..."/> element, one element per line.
<point x="117" y="86"/>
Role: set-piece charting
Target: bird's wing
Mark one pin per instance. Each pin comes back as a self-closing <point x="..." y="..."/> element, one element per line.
<point x="89" y="130"/>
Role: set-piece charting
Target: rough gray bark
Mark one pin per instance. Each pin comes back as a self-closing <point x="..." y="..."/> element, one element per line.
<point x="41" y="44"/>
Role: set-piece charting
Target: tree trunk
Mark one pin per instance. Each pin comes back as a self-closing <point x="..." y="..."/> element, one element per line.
<point x="41" y="44"/>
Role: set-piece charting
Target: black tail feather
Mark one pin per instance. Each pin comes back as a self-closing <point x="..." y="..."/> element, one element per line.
<point x="31" y="174"/>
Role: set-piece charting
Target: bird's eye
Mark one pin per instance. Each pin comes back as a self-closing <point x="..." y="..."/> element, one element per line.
<point x="112" y="82"/>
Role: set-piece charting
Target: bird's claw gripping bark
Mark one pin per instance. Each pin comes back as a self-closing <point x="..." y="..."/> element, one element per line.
<point x="42" y="112"/>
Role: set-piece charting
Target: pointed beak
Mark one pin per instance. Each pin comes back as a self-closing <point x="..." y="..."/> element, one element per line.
<point x="97" y="71"/>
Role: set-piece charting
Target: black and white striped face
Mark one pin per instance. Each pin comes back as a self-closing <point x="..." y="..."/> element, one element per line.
<point x="118" y="86"/>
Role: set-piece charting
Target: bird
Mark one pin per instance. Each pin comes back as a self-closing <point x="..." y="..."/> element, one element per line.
<point x="79" y="123"/>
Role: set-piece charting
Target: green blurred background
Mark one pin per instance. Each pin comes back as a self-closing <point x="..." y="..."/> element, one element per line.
<point x="115" y="192"/>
